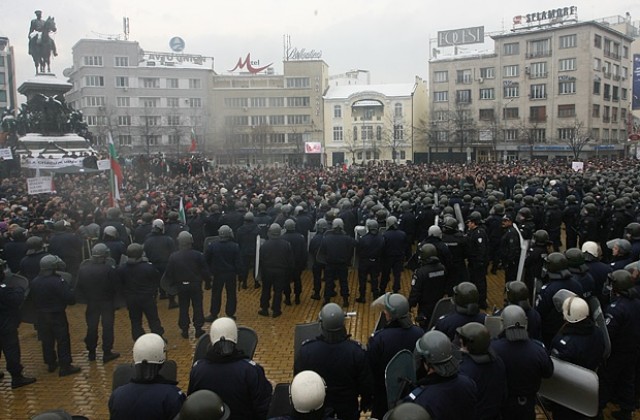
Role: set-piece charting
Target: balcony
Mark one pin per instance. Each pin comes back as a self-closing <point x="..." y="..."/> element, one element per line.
<point x="537" y="54"/>
<point x="464" y="80"/>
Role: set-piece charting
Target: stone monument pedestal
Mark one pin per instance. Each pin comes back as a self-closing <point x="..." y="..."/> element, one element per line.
<point x="45" y="83"/>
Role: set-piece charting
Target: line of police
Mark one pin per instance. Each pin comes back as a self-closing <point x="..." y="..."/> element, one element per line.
<point x="377" y="258"/>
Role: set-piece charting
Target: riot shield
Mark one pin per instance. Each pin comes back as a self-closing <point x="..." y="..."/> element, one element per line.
<point x="381" y="323"/>
<point x="280" y="406"/>
<point x="304" y="332"/>
<point x="16" y="280"/>
<point x="598" y="317"/>
<point x="494" y="325"/>
<point x="123" y="373"/>
<point x="247" y="342"/>
<point x="524" y="246"/>
<point x="459" y="218"/>
<point x="572" y="386"/>
<point x="560" y="296"/>
<point x="399" y="374"/>
<point x="443" y="307"/>
<point x="168" y="285"/>
<point x="256" y="267"/>
<point x="537" y="286"/>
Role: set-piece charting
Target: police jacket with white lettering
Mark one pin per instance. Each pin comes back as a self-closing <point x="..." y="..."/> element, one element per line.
<point x="428" y="286"/>
<point x="160" y="399"/>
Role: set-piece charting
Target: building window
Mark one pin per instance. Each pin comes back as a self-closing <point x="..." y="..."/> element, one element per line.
<point x="487" y="93"/>
<point x="172" y="83"/>
<point x="595" y="111"/>
<point x="624" y="94"/>
<point x="595" y="133"/>
<point x="440" y="115"/>
<point x="173" y="102"/>
<point x="122" y="81"/>
<point x="442" y="136"/>
<point x="173" y="120"/>
<point x="124" y="120"/>
<point x="566" y="133"/>
<point x="463" y="96"/>
<point x="567" y="87"/>
<point x="277" y="138"/>
<point x="488" y="72"/>
<point x="298" y="101"/>
<point x="124" y="140"/>
<point x="277" y="102"/>
<point x="378" y="133"/>
<point x="566" y="111"/>
<point x="2" y="79"/>
<point x="366" y="132"/>
<point x="568" y="41"/>
<point x="123" y="101"/>
<point x="337" y="111"/>
<point x="606" y="94"/>
<point x="151" y="120"/>
<point x="567" y="64"/>
<point x="294" y="138"/>
<point x="511" y="134"/>
<point x="539" y="91"/>
<point x="511" y="113"/>
<point x="487" y="114"/>
<point x="538" y="135"/>
<point x="623" y="115"/>
<point x="538" y="113"/>
<point x="257" y="102"/>
<point x="596" y="87"/>
<point x="597" y="41"/>
<point x="537" y="70"/>
<point x="440" y="76"/>
<point x="174" y="139"/>
<point x="398" y="132"/>
<point x="121" y="61"/>
<point x="597" y="64"/>
<point x="397" y="111"/>
<point x="94" y="81"/>
<point x="614" y="115"/>
<point x="276" y="119"/>
<point x="195" y="84"/>
<point x="195" y="103"/>
<point x="153" y="140"/>
<point x="606" y="114"/>
<point x="298" y="119"/>
<point x="94" y="101"/>
<point x="355" y="133"/>
<point x="511" y="48"/>
<point x="1" y="61"/>
<point x="442" y="96"/>
<point x="512" y="90"/>
<point x="236" y="120"/>
<point x="614" y="93"/>
<point x="93" y="60"/>
<point x="149" y="102"/>
<point x="236" y="102"/>
<point x="92" y="120"/>
<point x="511" y="71"/>
<point x="150" y="82"/>
<point x="257" y="120"/>
<point x="464" y="76"/>
<point x="539" y="48"/>
<point x="337" y="134"/>
<point x="297" y="82"/>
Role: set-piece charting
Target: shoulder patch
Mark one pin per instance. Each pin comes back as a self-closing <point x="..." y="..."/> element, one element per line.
<point x="3" y="285"/>
<point x="251" y="362"/>
<point x="479" y="240"/>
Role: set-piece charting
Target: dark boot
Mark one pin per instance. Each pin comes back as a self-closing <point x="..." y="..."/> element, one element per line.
<point x="287" y="300"/>
<point x="172" y="302"/>
<point x="18" y="380"/>
<point x="92" y="356"/>
<point x="297" y="300"/>
<point x="52" y="367"/>
<point x="199" y="332"/>
<point x="185" y="333"/>
<point x="315" y="296"/>
<point x="361" y="299"/>
<point x="69" y="370"/>
<point x="109" y="356"/>
<point x="256" y="285"/>
<point x="345" y="301"/>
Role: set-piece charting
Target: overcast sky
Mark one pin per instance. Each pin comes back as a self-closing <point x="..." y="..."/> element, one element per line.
<point x="388" y="37"/>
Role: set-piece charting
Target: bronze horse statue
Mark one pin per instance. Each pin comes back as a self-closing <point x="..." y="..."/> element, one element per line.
<point x="41" y="45"/>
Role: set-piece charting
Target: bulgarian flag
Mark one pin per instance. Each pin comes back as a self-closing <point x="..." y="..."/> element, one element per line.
<point x="194" y="143"/>
<point x="116" y="172"/>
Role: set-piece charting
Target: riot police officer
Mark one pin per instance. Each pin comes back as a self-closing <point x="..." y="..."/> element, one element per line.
<point x="187" y="270"/>
<point x="341" y="362"/>
<point x="494" y="234"/>
<point x="580" y="271"/>
<point x="465" y="298"/>
<point x="204" y="405"/>
<point x="534" y="262"/>
<point x="570" y="217"/>
<point x="227" y="371"/>
<point x="148" y="395"/>
<point x="116" y="246"/>
<point x="398" y="334"/>
<point x="552" y="222"/>
<point x="456" y="241"/>
<point x="369" y="250"/>
<point x="620" y="253"/>
<point x="428" y="284"/>
<point x="477" y="243"/>
<point x="395" y="241"/>
<point x="299" y="247"/>
<point x="158" y="247"/>
<point x="337" y="249"/>
<point x="632" y="234"/>
<point x="51" y="295"/>
<point x="276" y="263"/>
<point x="598" y="270"/>
<point x="526" y="363"/>
<point x="246" y="236"/>
<point x="517" y="293"/>
<point x="317" y="266"/>
<point x="97" y="282"/>
<point x="30" y="264"/>
<point x="225" y="263"/>
<point x="509" y="249"/>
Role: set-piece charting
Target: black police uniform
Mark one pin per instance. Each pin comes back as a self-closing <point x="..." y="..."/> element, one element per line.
<point x="51" y="295"/>
<point x="337" y="248"/>
<point x="533" y="264"/>
<point x="447" y="398"/>
<point x="408" y="224"/>
<point x="246" y="237"/>
<point x="552" y="320"/>
<point x="160" y="399"/>
<point x="276" y="265"/>
<point x="67" y="246"/>
<point x="157" y="248"/>
<point x="600" y="272"/>
<point x="141" y="232"/>
<point x="369" y="250"/>
<point x="239" y="381"/>
<point x="225" y="263"/>
<point x="477" y="243"/>
<point x="317" y="267"/>
<point x="13" y="252"/>
<point x="526" y="363"/>
<point x="428" y="285"/>
<point x="140" y="281"/>
<point x="450" y="322"/>
<point x="494" y="231"/>
<point x="10" y="300"/>
<point x="30" y="264"/>
<point x="570" y="218"/>
<point x="188" y="270"/>
<point x="97" y="282"/>
<point x="510" y="253"/>
<point x="552" y="223"/>
<point x="122" y="230"/>
<point x="489" y="374"/>
<point x="343" y="366"/>
<point x="300" y="255"/>
<point x="393" y="253"/>
<point x="117" y="249"/>
<point x="457" y="244"/>
<point x="173" y="228"/>
<point x="383" y="345"/>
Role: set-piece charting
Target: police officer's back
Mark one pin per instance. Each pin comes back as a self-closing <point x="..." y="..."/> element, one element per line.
<point x="465" y="298"/>
<point x="428" y="283"/>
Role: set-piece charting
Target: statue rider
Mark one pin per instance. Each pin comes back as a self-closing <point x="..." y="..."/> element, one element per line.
<point x="37" y="25"/>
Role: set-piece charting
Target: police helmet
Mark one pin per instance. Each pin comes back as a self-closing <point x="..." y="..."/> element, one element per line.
<point x="225" y="232"/>
<point x="620" y="281"/>
<point x="525" y="213"/>
<point x="321" y="226"/>
<point x="149" y="348"/>
<point x="337" y="224"/>
<point x="435" y="348"/>
<point x="158" y="225"/>
<point x="396" y="305"/>
<point x="498" y="210"/>
<point x="331" y="317"/>
<point x="185" y="239"/>
<point x="450" y="224"/>
<point x="111" y="231"/>
<point x="53" y="414"/>
<point x="435" y="231"/>
<point x="556" y="263"/>
<point x="517" y="292"/>
<point x="541" y="237"/>
<point x="466" y="297"/>
<point x="428" y="251"/>
<point x="590" y="208"/>
<point x="275" y="231"/>
<point x="475" y="337"/>
<point x="571" y="199"/>
<point x="307" y="392"/>
<point x="515" y="322"/>
<point x="590" y="249"/>
<point x="633" y="230"/>
<point x="49" y="263"/>
<point x="575" y="309"/>
<point x="34" y="244"/>
<point x="248" y="217"/>
<point x="392" y="222"/>
<point x="575" y="259"/>
<point x="407" y="411"/>
<point x="372" y="225"/>
<point x="100" y="251"/>
<point x="624" y="246"/>
<point x="204" y="404"/>
<point x="475" y="217"/>
<point x="135" y="251"/>
<point x="223" y="329"/>
<point x="290" y="225"/>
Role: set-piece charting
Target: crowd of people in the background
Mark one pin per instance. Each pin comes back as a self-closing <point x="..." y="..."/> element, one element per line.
<point x="182" y="224"/>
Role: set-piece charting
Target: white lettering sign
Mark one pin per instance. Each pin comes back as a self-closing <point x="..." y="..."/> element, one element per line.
<point x="577" y="166"/>
<point x="104" y="165"/>
<point x="44" y="163"/>
<point x="39" y="185"/>
<point x="172" y="57"/>
<point x="547" y="16"/>
<point x="6" y="154"/>
<point x="303" y="54"/>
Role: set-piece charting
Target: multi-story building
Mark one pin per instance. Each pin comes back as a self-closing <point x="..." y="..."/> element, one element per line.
<point x="8" y="96"/>
<point x="266" y="118"/>
<point x="562" y="90"/>
<point x="374" y="122"/>
<point x="150" y="102"/>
